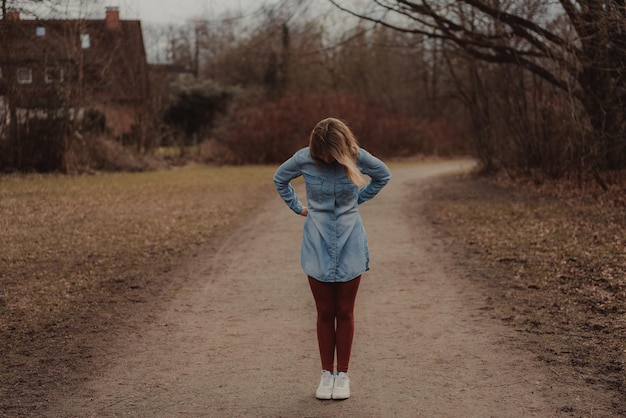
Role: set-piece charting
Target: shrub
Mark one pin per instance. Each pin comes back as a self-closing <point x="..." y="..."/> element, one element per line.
<point x="271" y="131"/>
<point x="194" y="108"/>
<point x="99" y="152"/>
<point x="94" y="121"/>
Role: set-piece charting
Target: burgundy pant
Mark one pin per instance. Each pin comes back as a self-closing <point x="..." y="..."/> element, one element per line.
<point x="335" y="320"/>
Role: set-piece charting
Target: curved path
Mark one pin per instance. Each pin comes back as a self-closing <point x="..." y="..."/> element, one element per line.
<point x="239" y="337"/>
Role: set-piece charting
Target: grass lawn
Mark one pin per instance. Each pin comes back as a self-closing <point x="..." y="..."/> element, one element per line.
<point x="77" y="251"/>
<point x="553" y="264"/>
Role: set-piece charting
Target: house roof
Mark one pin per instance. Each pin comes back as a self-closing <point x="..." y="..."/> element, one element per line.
<point x="107" y="55"/>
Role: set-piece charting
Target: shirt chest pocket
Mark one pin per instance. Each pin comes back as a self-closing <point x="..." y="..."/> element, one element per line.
<point x="346" y="191"/>
<point x="314" y="188"/>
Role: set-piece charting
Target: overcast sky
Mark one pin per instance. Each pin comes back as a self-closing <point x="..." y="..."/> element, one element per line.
<point x="170" y="12"/>
<point x="180" y="11"/>
<point x="149" y="11"/>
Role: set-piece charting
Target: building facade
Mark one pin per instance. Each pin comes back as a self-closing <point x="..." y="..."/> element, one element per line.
<point x="52" y="69"/>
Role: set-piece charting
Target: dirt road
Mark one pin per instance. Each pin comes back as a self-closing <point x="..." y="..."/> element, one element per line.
<point x="239" y="337"/>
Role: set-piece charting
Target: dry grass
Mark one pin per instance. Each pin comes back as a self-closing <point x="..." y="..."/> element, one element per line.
<point x="554" y="264"/>
<point x="78" y="252"/>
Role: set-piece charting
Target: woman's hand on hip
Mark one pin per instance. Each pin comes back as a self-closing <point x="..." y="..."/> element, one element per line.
<point x="304" y="211"/>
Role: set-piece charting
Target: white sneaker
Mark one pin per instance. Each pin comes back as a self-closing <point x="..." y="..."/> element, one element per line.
<point x="341" y="390"/>
<point x="325" y="389"/>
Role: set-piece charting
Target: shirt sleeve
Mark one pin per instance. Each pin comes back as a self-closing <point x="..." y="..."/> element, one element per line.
<point x="377" y="171"/>
<point x="288" y="171"/>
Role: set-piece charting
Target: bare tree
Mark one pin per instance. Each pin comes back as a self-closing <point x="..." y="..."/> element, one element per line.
<point x="579" y="46"/>
<point x="33" y="8"/>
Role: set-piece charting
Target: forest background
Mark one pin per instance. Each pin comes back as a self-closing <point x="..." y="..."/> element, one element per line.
<point x="533" y="88"/>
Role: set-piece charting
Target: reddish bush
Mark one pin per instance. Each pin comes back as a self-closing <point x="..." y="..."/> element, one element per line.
<point x="274" y="130"/>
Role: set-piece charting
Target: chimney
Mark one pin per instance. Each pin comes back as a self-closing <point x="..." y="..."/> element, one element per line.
<point x="12" y="15"/>
<point x="113" y="19"/>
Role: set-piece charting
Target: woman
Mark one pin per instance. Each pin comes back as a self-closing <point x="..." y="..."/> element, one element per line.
<point x="334" y="245"/>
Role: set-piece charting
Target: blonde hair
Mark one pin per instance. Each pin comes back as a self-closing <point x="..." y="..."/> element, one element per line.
<point x="332" y="137"/>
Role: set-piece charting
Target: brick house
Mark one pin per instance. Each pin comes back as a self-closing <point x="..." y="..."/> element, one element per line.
<point x="70" y="67"/>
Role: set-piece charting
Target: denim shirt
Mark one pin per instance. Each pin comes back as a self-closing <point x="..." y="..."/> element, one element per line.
<point x="334" y="244"/>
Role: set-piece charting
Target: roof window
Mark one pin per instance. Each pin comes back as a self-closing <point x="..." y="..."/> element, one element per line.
<point x="85" y="42"/>
<point x="40" y="31"/>
<point x="24" y="76"/>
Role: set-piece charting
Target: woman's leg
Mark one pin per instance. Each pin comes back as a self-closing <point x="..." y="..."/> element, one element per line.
<point x="324" y="295"/>
<point x="346" y="296"/>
